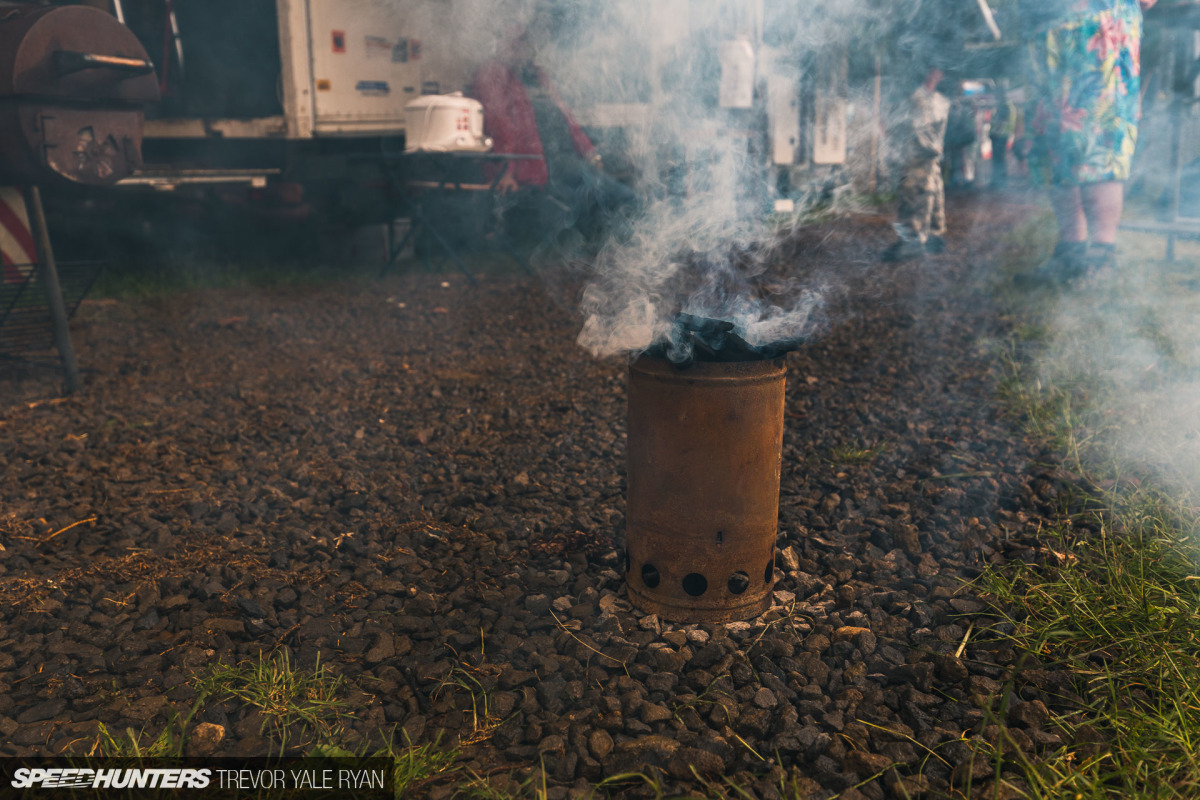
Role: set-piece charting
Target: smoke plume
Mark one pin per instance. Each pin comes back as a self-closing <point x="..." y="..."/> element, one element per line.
<point x="703" y="240"/>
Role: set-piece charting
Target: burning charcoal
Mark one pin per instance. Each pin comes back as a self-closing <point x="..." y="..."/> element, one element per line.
<point x="713" y="340"/>
<point x="703" y="325"/>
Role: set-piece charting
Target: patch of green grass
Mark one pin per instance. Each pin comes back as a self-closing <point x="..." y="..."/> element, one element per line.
<point x="1053" y="412"/>
<point x="139" y="744"/>
<point x="1116" y="603"/>
<point x="481" y="788"/>
<point x="167" y="273"/>
<point x="711" y="697"/>
<point x="857" y="453"/>
<point x="167" y="743"/>
<point x="417" y="764"/>
<point x="462" y="680"/>
<point x="1121" y="611"/>
<point x="880" y="199"/>
<point x="628" y="781"/>
<point x="147" y="278"/>
<point x="516" y="784"/>
<point x="292" y="700"/>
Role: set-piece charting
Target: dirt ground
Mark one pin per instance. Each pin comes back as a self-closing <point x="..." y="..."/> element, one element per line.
<point x="421" y="483"/>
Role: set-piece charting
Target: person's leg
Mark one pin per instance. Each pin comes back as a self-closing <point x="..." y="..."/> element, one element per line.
<point x="1101" y="204"/>
<point x="937" y="210"/>
<point x="1068" y="262"/>
<point x="999" y="161"/>
<point x="913" y="213"/>
<point x="935" y="241"/>
<point x="916" y="207"/>
<point x="1068" y="211"/>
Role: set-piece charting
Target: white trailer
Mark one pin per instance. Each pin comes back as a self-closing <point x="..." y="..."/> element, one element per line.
<point x="294" y="101"/>
<point x="298" y="105"/>
<point x="344" y="68"/>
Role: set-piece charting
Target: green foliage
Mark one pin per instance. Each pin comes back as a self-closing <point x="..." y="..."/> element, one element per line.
<point x="856" y="453"/>
<point x="292" y="701"/>
<point x="416" y="764"/>
<point x="1116" y="603"/>
<point x="1121" y="611"/>
<point x="138" y="744"/>
<point x="167" y="743"/>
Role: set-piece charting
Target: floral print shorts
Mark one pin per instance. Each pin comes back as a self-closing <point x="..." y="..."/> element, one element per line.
<point x="1084" y="111"/>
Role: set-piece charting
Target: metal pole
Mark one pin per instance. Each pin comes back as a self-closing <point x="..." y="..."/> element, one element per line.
<point x="986" y="10"/>
<point x="174" y="20"/>
<point x="1177" y="109"/>
<point x="876" y="120"/>
<point x="54" y="298"/>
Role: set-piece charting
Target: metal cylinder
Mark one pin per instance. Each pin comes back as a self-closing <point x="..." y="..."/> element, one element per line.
<point x="73" y="83"/>
<point x="705" y="447"/>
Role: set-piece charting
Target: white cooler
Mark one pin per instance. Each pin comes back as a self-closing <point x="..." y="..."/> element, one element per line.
<point x="445" y="123"/>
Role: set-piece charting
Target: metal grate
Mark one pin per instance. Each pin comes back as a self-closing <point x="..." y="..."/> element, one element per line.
<point x="25" y="323"/>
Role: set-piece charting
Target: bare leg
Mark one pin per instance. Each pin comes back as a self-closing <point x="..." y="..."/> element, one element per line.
<point x="1068" y="262"/>
<point x="1068" y="210"/>
<point x="1102" y="204"/>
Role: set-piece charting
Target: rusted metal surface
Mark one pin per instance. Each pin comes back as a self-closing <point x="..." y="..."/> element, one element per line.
<point x="73" y="82"/>
<point x="705" y="446"/>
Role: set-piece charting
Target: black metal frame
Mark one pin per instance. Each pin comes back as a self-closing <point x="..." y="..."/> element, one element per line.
<point x="18" y="335"/>
<point x="47" y="271"/>
<point x="445" y="183"/>
<point x="1182" y="19"/>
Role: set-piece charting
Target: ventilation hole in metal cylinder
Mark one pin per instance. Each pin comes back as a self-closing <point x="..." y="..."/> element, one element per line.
<point x="720" y="537"/>
<point x="769" y="572"/>
<point x="650" y="575"/>
<point x="738" y="582"/>
<point x="695" y="584"/>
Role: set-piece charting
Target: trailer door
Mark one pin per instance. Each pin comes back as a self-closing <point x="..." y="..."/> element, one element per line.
<point x="366" y="65"/>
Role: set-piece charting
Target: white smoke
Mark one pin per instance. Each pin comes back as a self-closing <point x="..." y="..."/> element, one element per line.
<point x="703" y="242"/>
<point x="1129" y="347"/>
<point x="1132" y="349"/>
<point x="698" y="248"/>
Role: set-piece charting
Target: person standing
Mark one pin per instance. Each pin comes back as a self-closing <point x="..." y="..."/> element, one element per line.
<point x="1003" y="124"/>
<point x="1083" y="123"/>
<point x="960" y="141"/>
<point x="921" y="212"/>
<point x="524" y="115"/>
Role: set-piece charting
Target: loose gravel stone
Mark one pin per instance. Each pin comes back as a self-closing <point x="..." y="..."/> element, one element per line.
<point x="537" y="604"/>
<point x="205" y="738"/>
<point x="428" y="500"/>
<point x="47" y="709"/>
<point x="1033" y="714"/>
<point x="600" y="744"/>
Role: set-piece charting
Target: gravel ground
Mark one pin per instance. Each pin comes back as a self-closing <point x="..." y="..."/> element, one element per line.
<point x="422" y="483"/>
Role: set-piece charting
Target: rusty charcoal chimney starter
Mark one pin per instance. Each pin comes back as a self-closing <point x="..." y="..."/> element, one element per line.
<point x="705" y="448"/>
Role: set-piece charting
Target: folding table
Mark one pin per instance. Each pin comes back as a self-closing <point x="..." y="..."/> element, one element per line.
<point x="425" y="179"/>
